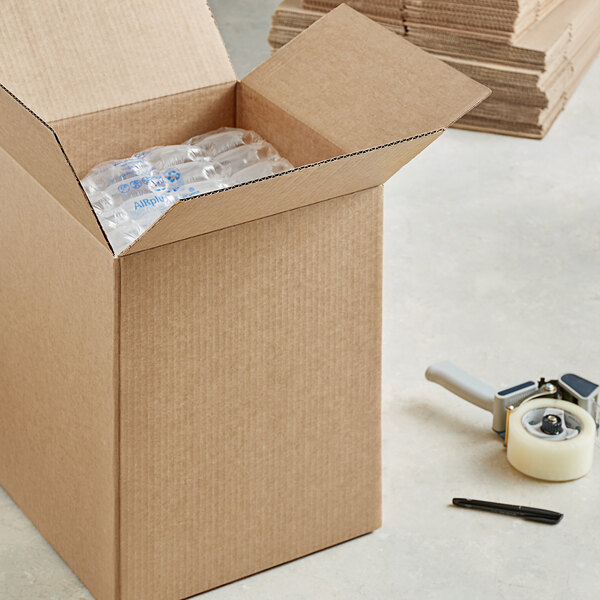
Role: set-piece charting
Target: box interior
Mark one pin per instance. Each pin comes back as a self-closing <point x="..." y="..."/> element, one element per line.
<point x="320" y="99"/>
<point x="179" y="117"/>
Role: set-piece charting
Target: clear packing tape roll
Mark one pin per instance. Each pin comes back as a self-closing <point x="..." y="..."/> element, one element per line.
<point x="537" y="450"/>
<point x="129" y="195"/>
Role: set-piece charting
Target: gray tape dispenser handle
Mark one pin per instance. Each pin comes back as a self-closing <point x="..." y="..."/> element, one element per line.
<point x="463" y="384"/>
<point x="473" y="390"/>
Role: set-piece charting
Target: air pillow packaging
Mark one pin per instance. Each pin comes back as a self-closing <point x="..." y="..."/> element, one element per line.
<point x="130" y="195"/>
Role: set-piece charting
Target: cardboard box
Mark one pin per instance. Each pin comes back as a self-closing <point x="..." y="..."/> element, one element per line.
<point x="206" y="404"/>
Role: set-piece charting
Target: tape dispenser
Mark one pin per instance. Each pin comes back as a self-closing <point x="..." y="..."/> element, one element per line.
<point x="549" y="427"/>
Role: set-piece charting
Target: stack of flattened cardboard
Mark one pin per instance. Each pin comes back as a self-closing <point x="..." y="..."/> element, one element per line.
<point x="533" y="67"/>
<point x="497" y="20"/>
<point x="380" y="10"/>
<point x="484" y="19"/>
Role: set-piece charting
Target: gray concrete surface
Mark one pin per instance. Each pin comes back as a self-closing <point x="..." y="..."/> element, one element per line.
<point x="491" y="259"/>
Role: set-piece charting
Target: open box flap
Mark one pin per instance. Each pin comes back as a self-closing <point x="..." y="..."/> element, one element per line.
<point x="376" y="98"/>
<point x="359" y="85"/>
<point x="279" y="193"/>
<point x="70" y="58"/>
<point x="34" y="145"/>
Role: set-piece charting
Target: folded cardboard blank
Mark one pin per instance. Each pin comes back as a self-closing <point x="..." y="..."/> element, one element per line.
<point x="205" y="405"/>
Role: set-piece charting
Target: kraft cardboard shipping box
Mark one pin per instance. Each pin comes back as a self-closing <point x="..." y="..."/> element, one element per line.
<point x="206" y="404"/>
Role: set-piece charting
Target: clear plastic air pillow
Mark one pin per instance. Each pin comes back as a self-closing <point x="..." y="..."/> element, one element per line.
<point x="130" y="194"/>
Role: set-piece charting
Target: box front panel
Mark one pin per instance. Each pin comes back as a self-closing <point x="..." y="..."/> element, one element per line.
<point x="250" y="396"/>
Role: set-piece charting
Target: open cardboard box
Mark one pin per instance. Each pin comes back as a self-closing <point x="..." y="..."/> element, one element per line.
<point x="205" y="405"/>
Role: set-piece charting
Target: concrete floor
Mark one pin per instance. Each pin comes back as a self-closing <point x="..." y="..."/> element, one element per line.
<point x="491" y="259"/>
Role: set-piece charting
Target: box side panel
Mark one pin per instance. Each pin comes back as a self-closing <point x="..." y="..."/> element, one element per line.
<point x="250" y="396"/>
<point x="295" y="140"/>
<point x="57" y="392"/>
<point x="120" y="132"/>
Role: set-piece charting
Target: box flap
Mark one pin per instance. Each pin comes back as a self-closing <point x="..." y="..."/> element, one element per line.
<point x="69" y="58"/>
<point x="279" y="193"/>
<point x="34" y="145"/>
<point x="360" y="85"/>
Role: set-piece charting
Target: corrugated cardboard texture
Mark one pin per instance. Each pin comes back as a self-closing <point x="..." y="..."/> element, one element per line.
<point x="501" y="20"/>
<point x="120" y="132"/>
<point x="360" y="85"/>
<point x="580" y="64"/>
<point x="57" y="378"/>
<point x="34" y="145"/>
<point x="250" y="397"/>
<point x="496" y="20"/>
<point x="65" y="58"/>
<point x="532" y="48"/>
<point x="382" y="10"/>
<point x="277" y="194"/>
